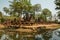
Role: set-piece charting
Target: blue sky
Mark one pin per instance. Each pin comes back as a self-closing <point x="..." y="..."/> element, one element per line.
<point x="44" y="4"/>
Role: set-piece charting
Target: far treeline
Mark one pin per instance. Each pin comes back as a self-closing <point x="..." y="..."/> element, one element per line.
<point x="25" y="11"/>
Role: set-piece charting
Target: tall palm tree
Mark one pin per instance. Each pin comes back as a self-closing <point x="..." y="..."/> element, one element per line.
<point x="47" y="13"/>
<point x="37" y="7"/>
<point x="20" y="5"/>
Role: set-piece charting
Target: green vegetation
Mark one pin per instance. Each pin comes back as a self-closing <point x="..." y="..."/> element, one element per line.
<point x="58" y="14"/>
<point x="19" y="8"/>
<point x="47" y="13"/>
<point x="57" y="3"/>
<point x="23" y="12"/>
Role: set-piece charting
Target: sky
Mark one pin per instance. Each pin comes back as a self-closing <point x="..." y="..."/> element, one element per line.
<point x="44" y="4"/>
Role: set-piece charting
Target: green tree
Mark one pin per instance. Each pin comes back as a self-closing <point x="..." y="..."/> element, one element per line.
<point x="37" y="7"/>
<point x="42" y="17"/>
<point x="57" y="3"/>
<point x="1" y="17"/>
<point x="0" y="14"/>
<point x="14" y="7"/>
<point x="18" y="6"/>
<point x="47" y="13"/>
<point x="6" y="9"/>
<point x="58" y="14"/>
<point x="21" y="7"/>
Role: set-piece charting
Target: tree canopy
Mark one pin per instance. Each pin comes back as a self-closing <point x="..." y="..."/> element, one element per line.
<point x="0" y="14"/>
<point x="58" y="14"/>
<point x="47" y="13"/>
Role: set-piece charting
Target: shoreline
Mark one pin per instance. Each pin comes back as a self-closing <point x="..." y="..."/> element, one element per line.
<point x="33" y="28"/>
<point x="48" y="26"/>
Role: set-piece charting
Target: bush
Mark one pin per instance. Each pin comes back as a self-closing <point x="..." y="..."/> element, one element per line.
<point x="2" y="20"/>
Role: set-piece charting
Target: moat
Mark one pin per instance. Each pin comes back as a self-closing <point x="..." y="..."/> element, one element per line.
<point x="39" y="35"/>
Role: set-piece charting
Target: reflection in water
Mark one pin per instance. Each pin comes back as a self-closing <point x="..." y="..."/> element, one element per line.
<point x="50" y="35"/>
<point x="55" y="35"/>
<point x="39" y="37"/>
<point x="5" y="37"/>
<point x="17" y="35"/>
<point x="47" y="35"/>
<point x="57" y="32"/>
